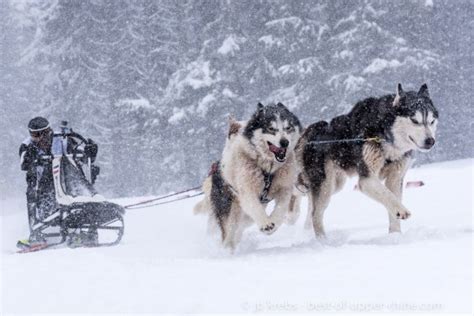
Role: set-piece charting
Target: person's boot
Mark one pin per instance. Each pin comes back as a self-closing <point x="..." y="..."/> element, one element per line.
<point x="36" y="239"/>
<point x="88" y="238"/>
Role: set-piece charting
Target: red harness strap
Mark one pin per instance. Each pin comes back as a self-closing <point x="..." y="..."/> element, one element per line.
<point x="214" y="168"/>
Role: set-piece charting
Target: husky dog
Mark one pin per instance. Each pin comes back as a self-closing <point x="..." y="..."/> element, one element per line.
<point x="379" y="136"/>
<point x="258" y="165"/>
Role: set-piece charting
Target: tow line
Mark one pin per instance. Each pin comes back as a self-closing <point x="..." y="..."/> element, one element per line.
<point x="143" y="204"/>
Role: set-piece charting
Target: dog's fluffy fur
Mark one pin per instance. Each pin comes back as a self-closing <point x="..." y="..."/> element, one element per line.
<point x="235" y="189"/>
<point x="405" y="122"/>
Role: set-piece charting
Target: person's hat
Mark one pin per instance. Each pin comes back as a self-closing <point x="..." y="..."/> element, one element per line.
<point x="38" y="124"/>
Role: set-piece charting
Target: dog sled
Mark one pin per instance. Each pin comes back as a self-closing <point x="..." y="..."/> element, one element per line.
<point x="81" y="218"/>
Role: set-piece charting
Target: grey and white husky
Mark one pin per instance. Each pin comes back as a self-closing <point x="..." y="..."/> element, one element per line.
<point x="258" y="165"/>
<point x="393" y="127"/>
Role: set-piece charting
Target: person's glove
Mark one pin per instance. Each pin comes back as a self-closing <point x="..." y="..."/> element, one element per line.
<point x="44" y="160"/>
<point x="29" y="157"/>
<point x="91" y="149"/>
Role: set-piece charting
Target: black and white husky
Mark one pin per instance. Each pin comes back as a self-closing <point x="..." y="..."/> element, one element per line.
<point x="258" y="165"/>
<point x="375" y="141"/>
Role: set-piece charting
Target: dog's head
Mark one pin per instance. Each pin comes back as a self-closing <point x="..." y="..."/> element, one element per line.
<point x="274" y="131"/>
<point x="415" y="121"/>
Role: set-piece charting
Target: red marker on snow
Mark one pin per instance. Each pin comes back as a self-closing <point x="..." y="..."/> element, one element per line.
<point x="414" y="184"/>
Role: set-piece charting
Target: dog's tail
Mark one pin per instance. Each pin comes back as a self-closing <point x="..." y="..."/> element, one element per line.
<point x="204" y="206"/>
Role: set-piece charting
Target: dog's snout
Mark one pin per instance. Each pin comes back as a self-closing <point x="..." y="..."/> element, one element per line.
<point x="284" y="142"/>
<point x="429" y="142"/>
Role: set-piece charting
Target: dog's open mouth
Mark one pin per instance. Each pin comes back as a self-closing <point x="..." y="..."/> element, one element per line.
<point x="279" y="152"/>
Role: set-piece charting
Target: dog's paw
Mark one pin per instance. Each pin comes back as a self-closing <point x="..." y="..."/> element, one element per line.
<point x="403" y="214"/>
<point x="268" y="228"/>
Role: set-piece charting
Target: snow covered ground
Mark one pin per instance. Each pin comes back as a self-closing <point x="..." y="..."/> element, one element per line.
<point x="167" y="262"/>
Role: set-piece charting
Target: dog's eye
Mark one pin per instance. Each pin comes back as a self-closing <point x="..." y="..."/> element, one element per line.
<point x="289" y="129"/>
<point x="432" y="122"/>
<point x="272" y="130"/>
<point x="415" y="121"/>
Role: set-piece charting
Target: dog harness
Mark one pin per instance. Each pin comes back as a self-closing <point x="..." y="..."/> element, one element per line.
<point x="267" y="179"/>
<point x="214" y="168"/>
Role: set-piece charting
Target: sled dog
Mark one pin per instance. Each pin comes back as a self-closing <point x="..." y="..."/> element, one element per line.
<point x="258" y="165"/>
<point x="379" y="137"/>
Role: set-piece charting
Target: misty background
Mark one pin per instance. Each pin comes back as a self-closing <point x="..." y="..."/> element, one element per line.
<point x="153" y="82"/>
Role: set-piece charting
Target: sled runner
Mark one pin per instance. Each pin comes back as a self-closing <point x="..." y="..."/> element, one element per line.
<point x="81" y="218"/>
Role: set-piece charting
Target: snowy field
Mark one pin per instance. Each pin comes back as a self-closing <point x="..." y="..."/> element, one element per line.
<point x="167" y="263"/>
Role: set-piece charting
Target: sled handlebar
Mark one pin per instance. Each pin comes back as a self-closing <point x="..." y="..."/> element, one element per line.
<point x="71" y="133"/>
<point x="45" y="158"/>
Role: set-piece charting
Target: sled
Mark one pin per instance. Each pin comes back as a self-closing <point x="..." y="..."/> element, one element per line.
<point x="82" y="218"/>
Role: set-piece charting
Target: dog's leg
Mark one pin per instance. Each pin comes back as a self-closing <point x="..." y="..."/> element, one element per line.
<point x="229" y="241"/>
<point x="252" y="207"/>
<point x="294" y="211"/>
<point x="375" y="189"/>
<point x="332" y="184"/>
<point x="323" y="187"/>
<point x="394" y="175"/>
<point x="244" y="222"/>
<point x="231" y="226"/>
<point x="212" y="225"/>
<point x="235" y="226"/>
<point x="282" y="204"/>
<point x="369" y="183"/>
<point x="302" y="185"/>
<point x="309" y="216"/>
<point x="320" y="200"/>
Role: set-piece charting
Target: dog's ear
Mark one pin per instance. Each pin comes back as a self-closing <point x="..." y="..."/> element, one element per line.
<point x="281" y="105"/>
<point x="260" y="110"/>
<point x="399" y="95"/>
<point x="234" y="126"/>
<point x="424" y="91"/>
<point x="231" y="119"/>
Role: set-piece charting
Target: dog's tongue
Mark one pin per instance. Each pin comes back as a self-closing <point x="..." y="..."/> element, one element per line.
<point x="277" y="150"/>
